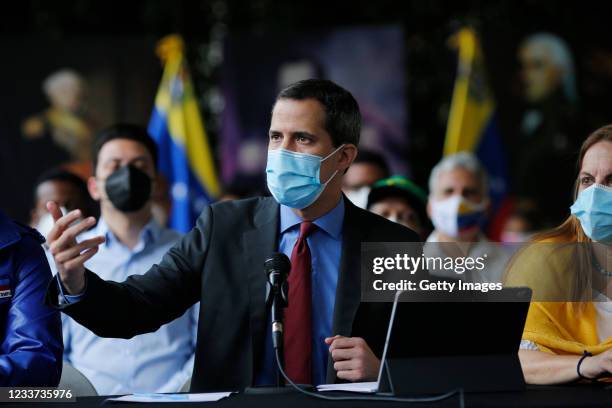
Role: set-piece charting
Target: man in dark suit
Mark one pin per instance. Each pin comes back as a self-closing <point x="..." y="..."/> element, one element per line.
<point x="313" y="139"/>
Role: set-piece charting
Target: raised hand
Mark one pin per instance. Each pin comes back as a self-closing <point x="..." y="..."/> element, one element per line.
<point x="69" y="255"/>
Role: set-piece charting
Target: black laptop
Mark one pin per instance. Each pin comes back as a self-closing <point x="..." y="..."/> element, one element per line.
<point x="467" y="340"/>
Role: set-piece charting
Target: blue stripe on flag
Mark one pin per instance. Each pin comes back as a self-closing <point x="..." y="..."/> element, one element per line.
<point x="492" y="155"/>
<point x="188" y="196"/>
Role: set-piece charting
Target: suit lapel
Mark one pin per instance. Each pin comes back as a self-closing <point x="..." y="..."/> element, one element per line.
<point x="348" y="290"/>
<point x="257" y="244"/>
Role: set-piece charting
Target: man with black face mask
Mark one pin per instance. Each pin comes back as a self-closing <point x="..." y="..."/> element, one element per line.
<point x="124" y="163"/>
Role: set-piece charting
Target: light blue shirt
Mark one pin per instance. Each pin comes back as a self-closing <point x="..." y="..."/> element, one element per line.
<point x="325" y="245"/>
<point x="154" y="362"/>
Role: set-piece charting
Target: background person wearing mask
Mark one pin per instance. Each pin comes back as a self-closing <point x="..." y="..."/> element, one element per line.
<point x="124" y="161"/>
<point x="367" y="168"/>
<point x="30" y="331"/>
<point x="457" y="206"/>
<point x="522" y="224"/>
<point x="313" y="138"/>
<point x="570" y="338"/>
<point x="400" y="200"/>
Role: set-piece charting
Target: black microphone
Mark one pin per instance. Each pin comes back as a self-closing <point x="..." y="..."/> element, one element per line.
<point x="277" y="267"/>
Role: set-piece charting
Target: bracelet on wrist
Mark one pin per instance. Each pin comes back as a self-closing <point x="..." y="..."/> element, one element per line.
<point x="584" y="355"/>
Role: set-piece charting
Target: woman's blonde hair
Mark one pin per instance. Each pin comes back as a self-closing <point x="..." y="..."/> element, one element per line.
<point x="571" y="231"/>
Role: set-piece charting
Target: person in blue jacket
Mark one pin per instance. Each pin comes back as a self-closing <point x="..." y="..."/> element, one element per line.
<point x="30" y="332"/>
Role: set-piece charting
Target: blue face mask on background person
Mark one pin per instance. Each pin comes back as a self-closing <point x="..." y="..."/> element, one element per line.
<point x="593" y="208"/>
<point x="294" y="178"/>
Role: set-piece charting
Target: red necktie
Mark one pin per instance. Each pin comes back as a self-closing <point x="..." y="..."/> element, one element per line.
<point x="298" y="315"/>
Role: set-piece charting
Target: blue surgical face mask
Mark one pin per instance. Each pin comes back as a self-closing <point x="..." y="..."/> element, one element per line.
<point x="294" y="178"/>
<point x="593" y="208"/>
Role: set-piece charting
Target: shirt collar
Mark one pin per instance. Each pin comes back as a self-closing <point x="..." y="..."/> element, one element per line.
<point x="149" y="234"/>
<point x="331" y="222"/>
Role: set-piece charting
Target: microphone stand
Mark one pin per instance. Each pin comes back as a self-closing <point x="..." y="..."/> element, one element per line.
<point x="277" y="295"/>
<point x="277" y="268"/>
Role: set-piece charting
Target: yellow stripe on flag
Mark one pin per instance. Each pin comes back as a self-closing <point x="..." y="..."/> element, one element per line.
<point x="472" y="103"/>
<point x="176" y="99"/>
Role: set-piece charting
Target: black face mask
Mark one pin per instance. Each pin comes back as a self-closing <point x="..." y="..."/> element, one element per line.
<point x="128" y="188"/>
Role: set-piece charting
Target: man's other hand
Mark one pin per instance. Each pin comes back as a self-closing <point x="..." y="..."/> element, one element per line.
<point x="353" y="358"/>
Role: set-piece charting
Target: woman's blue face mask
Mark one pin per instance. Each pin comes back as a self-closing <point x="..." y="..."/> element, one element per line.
<point x="593" y="208"/>
<point x="294" y="178"/>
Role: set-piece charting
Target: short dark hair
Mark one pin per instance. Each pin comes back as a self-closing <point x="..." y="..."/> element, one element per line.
<point x="124" y="131"/>
<point x="376" y="159"/>
<point x="60" y="174"/>
<point x="342" y="116"/>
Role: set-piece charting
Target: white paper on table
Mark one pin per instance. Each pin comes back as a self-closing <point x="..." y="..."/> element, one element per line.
<point x="364" y="387"/>
<point x="202" y="397"/>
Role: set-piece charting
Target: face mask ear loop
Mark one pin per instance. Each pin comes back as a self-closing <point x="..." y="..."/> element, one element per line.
<point x="323" y="189"/>
<point x="332" y="153"/>
<point x="329" y="179"/>
<point x="327" y="157"/>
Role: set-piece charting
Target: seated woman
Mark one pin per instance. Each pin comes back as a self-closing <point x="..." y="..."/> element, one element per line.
<point x="568" y="333"/>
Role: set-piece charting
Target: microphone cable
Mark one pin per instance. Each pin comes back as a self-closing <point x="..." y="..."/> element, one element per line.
<point x="437" y="398"/>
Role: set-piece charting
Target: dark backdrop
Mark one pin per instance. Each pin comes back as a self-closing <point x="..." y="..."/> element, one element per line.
<point x="113" y="43"/>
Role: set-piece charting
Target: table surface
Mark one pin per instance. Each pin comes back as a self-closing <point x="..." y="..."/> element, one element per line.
<point x="566" y="396"/>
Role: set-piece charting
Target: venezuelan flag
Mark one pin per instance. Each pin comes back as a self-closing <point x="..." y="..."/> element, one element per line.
<point x="472" y="125"/>
<point x="185" y="158"/>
